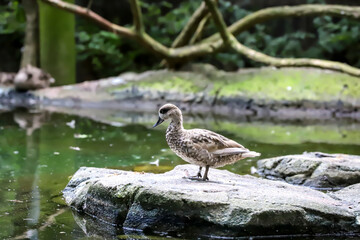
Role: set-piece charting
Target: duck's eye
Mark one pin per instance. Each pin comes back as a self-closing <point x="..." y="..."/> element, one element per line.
<point x="163" y="111"/>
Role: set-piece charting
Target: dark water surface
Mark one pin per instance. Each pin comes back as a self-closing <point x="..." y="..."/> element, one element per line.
<point x="40" y="151"/>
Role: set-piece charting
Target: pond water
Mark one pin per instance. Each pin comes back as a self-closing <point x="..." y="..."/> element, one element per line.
<point x="40" y="151"/>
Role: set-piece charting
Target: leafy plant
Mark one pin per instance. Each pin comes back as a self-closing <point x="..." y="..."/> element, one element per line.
<point x="168" y="19"/>
<point x="12" y="18"/>
<point x="103" y="51"/>
<point x="339" y="39"/>
<point x="12" y="25"/>
<point x="110" y="55"/>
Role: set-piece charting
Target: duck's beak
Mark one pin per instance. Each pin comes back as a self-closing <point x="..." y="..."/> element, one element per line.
<point x="160" y="120"/>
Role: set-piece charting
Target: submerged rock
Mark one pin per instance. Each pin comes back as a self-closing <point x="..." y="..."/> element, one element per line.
<point x="228" y="205"/>
<point x="315" y="169"/>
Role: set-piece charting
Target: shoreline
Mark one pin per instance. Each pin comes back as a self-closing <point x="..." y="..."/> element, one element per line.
<point x="203" y="89"/>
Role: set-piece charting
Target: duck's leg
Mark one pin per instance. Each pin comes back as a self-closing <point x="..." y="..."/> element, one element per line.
<point x="205" y="177"/>
<point x="199" y="173"/>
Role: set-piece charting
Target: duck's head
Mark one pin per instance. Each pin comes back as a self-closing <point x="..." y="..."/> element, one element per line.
<point x="168" y="111"/>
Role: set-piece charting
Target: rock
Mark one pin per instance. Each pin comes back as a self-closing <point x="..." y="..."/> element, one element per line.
<point x="350" y="196"/>
<point x="228" y="205"/>
<point x="315" y="169"/>
<point x="11" y="99"/>
<point x="7" y="78"/>
<point x="31" y="78"/>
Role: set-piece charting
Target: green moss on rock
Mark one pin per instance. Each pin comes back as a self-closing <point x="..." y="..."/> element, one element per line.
<point x="166" y="81"/>
<point x="264" y="84"/>
<point x="291" y="84"/>
<point x="175" y="83"/>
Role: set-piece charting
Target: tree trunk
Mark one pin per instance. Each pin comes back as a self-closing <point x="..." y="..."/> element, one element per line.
<point x="30" y="53"/>
<point x="57" y="43"/>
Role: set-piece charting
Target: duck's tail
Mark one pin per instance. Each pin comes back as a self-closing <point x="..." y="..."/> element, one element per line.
<point x="251" y="154"/>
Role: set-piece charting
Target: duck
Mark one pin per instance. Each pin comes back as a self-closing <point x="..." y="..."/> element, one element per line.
<point x="201" y="147"/>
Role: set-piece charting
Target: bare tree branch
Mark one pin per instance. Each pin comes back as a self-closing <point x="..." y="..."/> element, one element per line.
<point x="137" y="16"/>
<point x="219" y="22"/>
<point x="143" y="39"/>
<point x="279" y="62"/>
<point x="294" y="62"/>
<point x="199" y="30"/>
<point x="89" y="4"/>
<point x="185" y="53"/>
<point x="171" y="54"/>
<point x="191" y="26"/>
<point x="87" y="13"/>
<point x="266" y="14"/>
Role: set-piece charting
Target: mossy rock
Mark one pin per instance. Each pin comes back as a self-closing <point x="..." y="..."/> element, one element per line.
<point x="292" y="84"/>
<point x="266" y="84"/>
<point x="286" y="93"/>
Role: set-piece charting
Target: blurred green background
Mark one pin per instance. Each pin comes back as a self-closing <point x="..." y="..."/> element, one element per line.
<point x="101" y="54"/>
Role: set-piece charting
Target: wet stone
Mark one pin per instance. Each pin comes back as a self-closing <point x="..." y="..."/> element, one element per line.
<point x="317" y="170"/>
<point x="227" y="205"/>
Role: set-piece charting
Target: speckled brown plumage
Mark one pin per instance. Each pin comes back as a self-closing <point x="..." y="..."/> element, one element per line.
<point x="200" y="146"/>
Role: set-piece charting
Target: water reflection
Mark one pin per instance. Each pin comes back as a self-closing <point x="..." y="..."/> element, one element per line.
<point x="30" y="121"/>
<point x="93" y="228"/>
<point x="39" y="151"/>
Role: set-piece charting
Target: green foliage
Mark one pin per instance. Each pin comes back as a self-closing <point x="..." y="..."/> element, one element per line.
<point x="103" y="50"/>
<point x="260" y="39"/>
<point x="110" y="55"/>
<point x="168" y="19"/>
<point x="12" y="18"/>
<point x="107" y="53"/>
<point x="12" y="26"/>
<point x="338" y="39"/>
<point x="333" y="39"/>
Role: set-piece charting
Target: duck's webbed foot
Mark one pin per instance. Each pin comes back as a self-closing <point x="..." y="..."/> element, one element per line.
<point x="199" y="176"/>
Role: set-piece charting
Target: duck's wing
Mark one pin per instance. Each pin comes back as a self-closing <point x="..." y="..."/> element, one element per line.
<point x="214" y="142"/>
<point x="234" y="151"/>
<point x="229" y="151"/>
